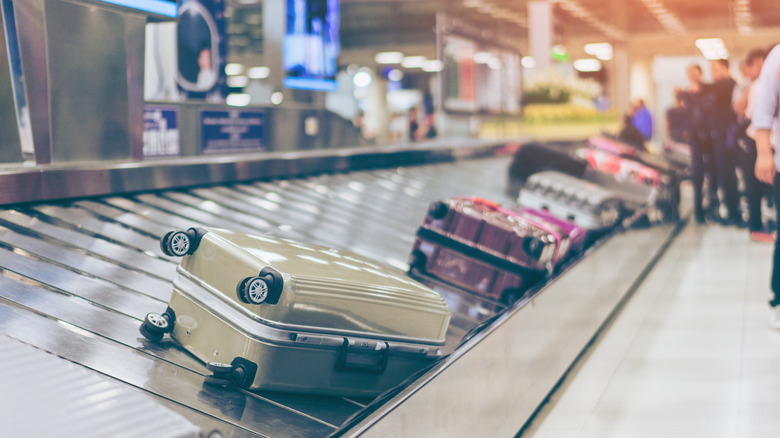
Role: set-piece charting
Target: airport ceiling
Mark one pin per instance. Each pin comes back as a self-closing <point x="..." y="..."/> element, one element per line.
<point x="666" y="27"/>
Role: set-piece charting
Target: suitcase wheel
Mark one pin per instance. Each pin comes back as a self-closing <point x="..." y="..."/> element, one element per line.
<point x="266" y="287"/>
<point x="417" y="260"/>
<point x="533" y="247"/>
<point x="253" y="290"/>
<point x="240" y="372"/>
<point x="155" y="326"/>
<point x="438" y="210"/>
<point x="181" y="243"/>
<point x="510" y="296"/>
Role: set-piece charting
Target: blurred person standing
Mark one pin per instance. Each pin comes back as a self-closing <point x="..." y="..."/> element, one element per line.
<point x="642" y="119"/>
<point x="722" y="116"/>
<point x="743" y="104"/>
<point x="767" y="161"/>
<point x="700" y="142"/>
<point x="414" y="124"/>
<point x="678" y="123"/>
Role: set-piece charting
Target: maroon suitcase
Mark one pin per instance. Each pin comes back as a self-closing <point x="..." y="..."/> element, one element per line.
<point x="481" y="247"/>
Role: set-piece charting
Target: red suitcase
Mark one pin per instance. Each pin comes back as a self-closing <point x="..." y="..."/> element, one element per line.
<point x="482" y="247"/>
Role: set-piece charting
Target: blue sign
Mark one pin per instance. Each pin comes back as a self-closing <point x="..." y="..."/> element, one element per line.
<point x="231" y="131"/>
<point x="161" y="131"/>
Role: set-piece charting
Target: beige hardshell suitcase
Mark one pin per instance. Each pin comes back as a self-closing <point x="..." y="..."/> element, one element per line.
<point x="267" y="313"/>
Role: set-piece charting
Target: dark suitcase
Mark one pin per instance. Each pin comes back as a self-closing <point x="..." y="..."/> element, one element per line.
<point x="482" y="247"/>
<point x="538" y="157"/>
<point x="274" y="314"/>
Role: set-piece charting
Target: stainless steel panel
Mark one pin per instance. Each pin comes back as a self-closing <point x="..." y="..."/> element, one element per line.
<point x="83" y="69"/>
<point x="78" y="403"/>
<point x="29" y="184"/>
<point x="88" y="81"/>
<point x="10" y="141"/>
<point x="31" y="30"/>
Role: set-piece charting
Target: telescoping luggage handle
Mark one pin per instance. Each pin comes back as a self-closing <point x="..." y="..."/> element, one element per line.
<point x="362" y="356"/>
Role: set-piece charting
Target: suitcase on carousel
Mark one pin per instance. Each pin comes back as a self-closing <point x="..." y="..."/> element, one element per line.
<point x="588" y="205"/>
<point x="537" y="157"/>
<point x="576" y="234"/>
<point x="267" y="313"/>
<point x="482" y="247"/>
<point x="678" y="154"/>
<point x="640" y="183"/>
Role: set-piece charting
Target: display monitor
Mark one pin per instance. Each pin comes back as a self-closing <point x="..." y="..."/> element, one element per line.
<point x="311" y="44"/>
<point x="166" y="8"/>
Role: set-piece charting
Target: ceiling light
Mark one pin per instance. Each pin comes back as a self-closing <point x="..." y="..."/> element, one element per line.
<point x="413" y="61"/>
<point x="587" y="65"/>
<point x="238" y="99"/>
<point x="432" y="66"/>
<point x="258" y="72"/>
<point x="389" y="57"/>
<point x="602" y="51"/>
<point x="528" y="62"/>
<point x="362" y="79"/>
<point x="395" y="75"/>
<point x="234" y="69"/>
<point x="707" y="43"/>
<point x="237" y="81"/>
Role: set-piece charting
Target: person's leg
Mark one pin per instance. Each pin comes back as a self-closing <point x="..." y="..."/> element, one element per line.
<point x="711" y="169"/>
<point x="753" y="187"/>
<point x="774" y="302"/>
<point x="725" y="160"/>
<point x="697" y="179"/>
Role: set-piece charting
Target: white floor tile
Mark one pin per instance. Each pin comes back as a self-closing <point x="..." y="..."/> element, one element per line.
<point x="690" y="355"/>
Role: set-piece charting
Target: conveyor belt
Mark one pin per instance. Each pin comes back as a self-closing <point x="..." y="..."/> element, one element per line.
<point x="79" y="276"/>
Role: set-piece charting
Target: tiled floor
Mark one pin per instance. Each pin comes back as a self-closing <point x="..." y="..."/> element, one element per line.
<point x="690" y="355"/>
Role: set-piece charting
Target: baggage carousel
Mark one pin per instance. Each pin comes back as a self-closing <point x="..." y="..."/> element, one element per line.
<point x="79" y="275"/>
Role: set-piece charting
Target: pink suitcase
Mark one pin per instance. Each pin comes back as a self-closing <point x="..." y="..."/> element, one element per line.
<point x="576" y="234"/>
<point x="484" y="248"/>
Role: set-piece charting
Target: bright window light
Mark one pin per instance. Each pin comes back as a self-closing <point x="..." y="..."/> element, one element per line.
<point x="483" y="57"/>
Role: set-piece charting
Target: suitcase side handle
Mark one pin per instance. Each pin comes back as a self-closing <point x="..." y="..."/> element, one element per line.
<point x="362" y="356"/>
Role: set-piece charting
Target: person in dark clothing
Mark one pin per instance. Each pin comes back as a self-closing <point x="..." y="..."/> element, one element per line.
<point x="678" y="123"/>
<point x="719" y="95"/>
<point x="742" y="102"/>
<point x="414" y="124"/>
<point x="700" y="142"/>
<point x="630" y="134"/>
